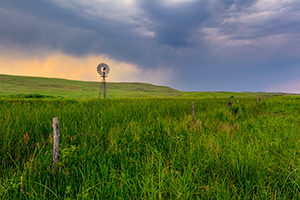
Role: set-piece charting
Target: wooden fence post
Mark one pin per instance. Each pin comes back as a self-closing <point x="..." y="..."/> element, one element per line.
<point x="55" y="142"/>
<point x="258" y="99"/>
<point x="193" y="114"/>
<point x="230" y="104"/>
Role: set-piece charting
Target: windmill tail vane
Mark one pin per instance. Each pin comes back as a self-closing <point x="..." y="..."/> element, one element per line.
<point x="103" y="69"/>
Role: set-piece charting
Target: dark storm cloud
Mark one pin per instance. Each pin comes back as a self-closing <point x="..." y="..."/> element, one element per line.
<point x="218" y="45"/>
<point x="173" y="24"/>
<point x="42" y="23"/>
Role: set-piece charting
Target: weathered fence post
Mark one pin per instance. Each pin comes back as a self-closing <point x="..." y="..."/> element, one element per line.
<point x="55" y="142"/>
<point x="193" y="114"/>
<point x="258" y="99"/>
<point x="230" y="104"/>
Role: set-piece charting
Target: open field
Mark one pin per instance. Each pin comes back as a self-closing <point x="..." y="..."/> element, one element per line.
<point x="22" y="86"/>
<point x="149" y="149"/>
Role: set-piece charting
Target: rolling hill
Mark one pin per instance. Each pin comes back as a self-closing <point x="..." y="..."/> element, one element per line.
<point x="28" y="87"/>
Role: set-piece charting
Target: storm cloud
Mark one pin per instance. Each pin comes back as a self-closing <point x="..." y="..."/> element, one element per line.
<point x="204" y="45"/>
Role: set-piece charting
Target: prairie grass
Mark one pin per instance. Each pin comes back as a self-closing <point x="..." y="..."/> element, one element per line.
<point x="149" y="149"/>
<point x="15" y="87"/>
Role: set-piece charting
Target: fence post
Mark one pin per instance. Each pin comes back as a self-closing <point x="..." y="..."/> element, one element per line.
<point x="55" y="142"/>
<point x="230" y="104"/>
<point x="193" y="114"/>
<point x="258" y="99"/>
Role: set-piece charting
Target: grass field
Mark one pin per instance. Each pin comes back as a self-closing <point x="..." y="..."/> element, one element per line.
<point x="145" y="148"/>
<point x="149" y="149"/>
<point x="21" y="86"/>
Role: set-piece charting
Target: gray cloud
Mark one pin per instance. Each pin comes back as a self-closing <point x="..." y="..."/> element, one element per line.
<point x="172" y="25"/>
<point x="46" y="24"/>
<point x="58" y="28"/>
<point x="217" y="45"/>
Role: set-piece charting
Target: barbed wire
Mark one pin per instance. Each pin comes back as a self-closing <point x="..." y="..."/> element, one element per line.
<point x="21" y="147"/>
<point x="73" y="136"/>
<point x="118" y="128"/>
<point x="15" y="159"/>
<point x="90" y="144"/>
<point x="80" y="135"/>
<point x="66" y="137"/>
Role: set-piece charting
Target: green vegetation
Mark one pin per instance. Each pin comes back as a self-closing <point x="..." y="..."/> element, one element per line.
<point x="145" y="147"/>
<point x="21" y="86"/>
<point x="149" y="149"/>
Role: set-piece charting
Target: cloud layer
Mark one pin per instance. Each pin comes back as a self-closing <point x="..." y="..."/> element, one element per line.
<point x="190" y="45"/>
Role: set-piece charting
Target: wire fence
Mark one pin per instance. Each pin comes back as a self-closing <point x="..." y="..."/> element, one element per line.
<point x="25" y="146"/>
<point x="16" y="159"/>
<point x="65" y="137"/>
<point x="81" y="135"/>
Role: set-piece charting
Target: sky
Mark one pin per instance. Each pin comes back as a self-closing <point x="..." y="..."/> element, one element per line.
<point x="189" y="45"/>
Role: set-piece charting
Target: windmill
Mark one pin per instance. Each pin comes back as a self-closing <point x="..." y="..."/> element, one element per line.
<point x="103" y="69"/>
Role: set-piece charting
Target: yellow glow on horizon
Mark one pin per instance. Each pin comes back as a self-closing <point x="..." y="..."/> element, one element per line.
<point x="80" y="68"/>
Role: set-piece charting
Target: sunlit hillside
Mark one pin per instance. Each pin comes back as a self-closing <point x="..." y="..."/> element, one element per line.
<point x="28" y="87"/>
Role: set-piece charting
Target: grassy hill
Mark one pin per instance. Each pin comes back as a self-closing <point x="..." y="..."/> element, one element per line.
<point x="23" y="86"/>
<point x="145" y="148"/>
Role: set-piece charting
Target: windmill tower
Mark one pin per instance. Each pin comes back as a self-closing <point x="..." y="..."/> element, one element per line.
<point x="103" y="69"/>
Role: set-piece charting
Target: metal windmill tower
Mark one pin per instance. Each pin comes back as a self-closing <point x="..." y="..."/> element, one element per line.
<point x="103" y="69"/>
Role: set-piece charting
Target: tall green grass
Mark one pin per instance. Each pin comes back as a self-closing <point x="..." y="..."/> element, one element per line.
<point x="149" y="149"/>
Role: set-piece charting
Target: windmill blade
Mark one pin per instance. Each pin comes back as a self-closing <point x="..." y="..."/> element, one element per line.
<point x="103" y="69"/>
